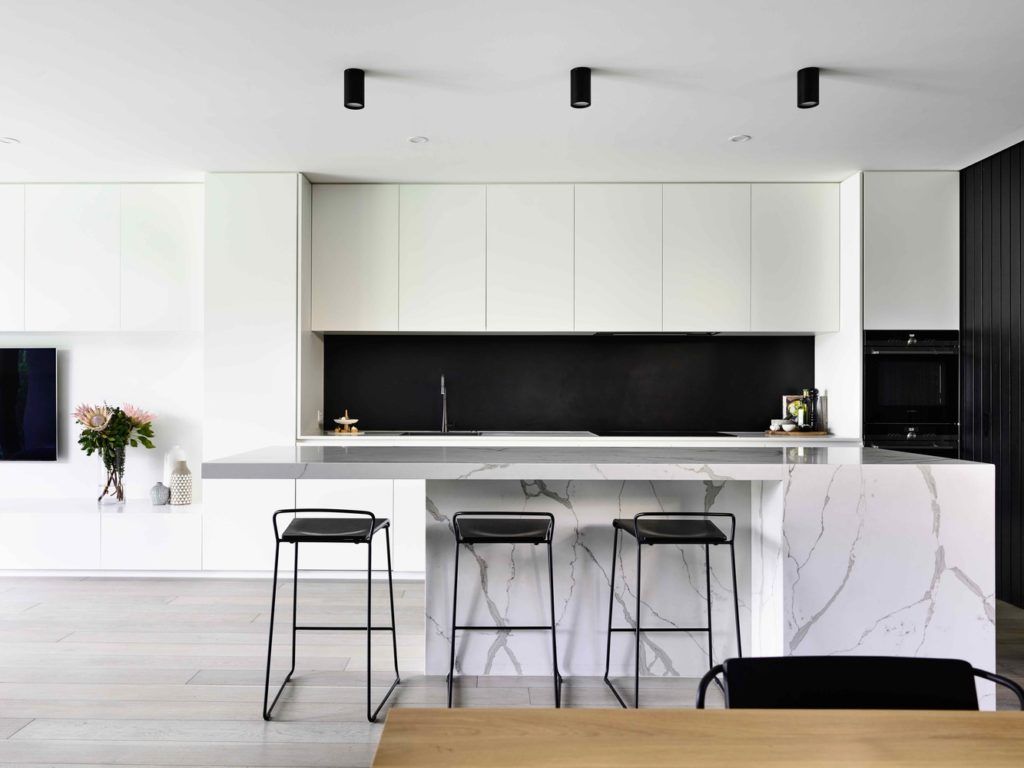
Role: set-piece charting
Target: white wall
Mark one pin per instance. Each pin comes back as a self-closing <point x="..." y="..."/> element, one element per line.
<point x="161" y="372"/>
<point x="838" y="365"/>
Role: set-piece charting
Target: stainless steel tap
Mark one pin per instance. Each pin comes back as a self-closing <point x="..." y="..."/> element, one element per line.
<point x="444" y="406"/>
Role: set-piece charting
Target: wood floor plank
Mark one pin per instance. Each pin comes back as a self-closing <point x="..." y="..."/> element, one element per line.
<point x="252" y="731"/>
<point x="167" y="753"/>
<point x="11" y="725"/>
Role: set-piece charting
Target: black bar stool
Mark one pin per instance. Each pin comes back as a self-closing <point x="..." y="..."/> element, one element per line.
<point x="672" y="528"/>
<point x="504" y="528"/>
<point x="346" y="526"/>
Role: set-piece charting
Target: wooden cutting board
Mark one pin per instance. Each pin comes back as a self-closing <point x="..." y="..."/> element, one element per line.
<point x="795" y="433"/>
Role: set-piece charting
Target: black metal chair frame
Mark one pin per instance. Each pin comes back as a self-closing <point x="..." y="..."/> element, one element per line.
<point x="637" y="629"/>
<point x="459" y="542"/>
<point x="719" y="669"/>
<point x="371" y="714"/>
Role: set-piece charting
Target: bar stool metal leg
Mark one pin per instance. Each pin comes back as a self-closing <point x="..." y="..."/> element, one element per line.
<point x="270" y="642"/>
<point x="636" y="671"/>
<point x="554" y="642"/>
<point x="611" y="608"/>
<point x="372" y="716"/>
<point x="736" y="600"/>
<point x="707" y="576"/>
<point x="391" y="595"/>
<point x="455" y="599"/>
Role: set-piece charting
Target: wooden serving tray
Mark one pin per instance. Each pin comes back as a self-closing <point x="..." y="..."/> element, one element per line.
<point x="794" y="433"/>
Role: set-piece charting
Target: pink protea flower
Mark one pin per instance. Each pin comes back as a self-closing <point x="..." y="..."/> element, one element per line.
<point x="137" y="416"/>
<point x="94" y="417"/>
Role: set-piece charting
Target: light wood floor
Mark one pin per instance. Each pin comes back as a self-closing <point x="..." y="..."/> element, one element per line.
<point x="168" y="672"/>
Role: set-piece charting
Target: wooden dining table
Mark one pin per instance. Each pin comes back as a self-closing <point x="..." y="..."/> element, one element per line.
<point x="653" y="738"/>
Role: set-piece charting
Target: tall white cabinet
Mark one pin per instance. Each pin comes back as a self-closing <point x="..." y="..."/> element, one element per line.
<point x="12" y="257"/>
<point x="911" y="250"/>
<point x="442" y="257"/>
<point x="355" y="257"/>
<point x="794" y="251"/>
<point x="530" y="257"/>
<point x="618" y="257"/>
<point x="706" y="271"/>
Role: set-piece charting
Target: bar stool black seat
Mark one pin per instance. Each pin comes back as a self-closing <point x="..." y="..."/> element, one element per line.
<point x="473" y="528"/>
<point x="342" y="526"/>
<point x="679" y="528"/>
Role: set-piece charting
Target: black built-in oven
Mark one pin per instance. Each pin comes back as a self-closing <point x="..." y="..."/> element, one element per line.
<point x="912" y="391"/>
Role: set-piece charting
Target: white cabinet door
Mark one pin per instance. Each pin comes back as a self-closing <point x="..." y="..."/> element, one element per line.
<point x="706" y="272"/>
<point x="618" y="257"/>
<point x="410" y="516"/>
<point x="529" y="257"/>
<point x="169" y="540"/>
<point x="12" y="257"/>
<point x="355" y="257"/>
<point x="238" y="533"/>
<point x="161" y="257"/>
<point x="374" y="496"/>
<point x="72" y="257"/>
<point x="442" y="257"/>
<point x="912" y="250"/>
<point x="794" y="258"/>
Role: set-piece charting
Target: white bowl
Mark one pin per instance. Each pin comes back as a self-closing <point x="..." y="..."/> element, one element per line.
<point x="789" y="427"/>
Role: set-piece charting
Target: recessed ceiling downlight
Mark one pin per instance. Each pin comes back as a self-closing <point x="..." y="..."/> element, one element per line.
<point x="739" y="138"/>
<point x="9" y="140"/>
<point x="418" y="139"/>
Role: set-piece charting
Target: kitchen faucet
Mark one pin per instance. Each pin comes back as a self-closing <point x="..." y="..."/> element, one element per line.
<point x="444" y="406"/>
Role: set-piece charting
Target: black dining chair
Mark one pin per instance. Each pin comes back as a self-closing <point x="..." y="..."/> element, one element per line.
<point x="850" y="682"/>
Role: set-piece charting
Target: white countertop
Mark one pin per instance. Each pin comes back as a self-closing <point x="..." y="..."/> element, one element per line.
<point x="600" y="462"/>
<point x="576" y="439"/>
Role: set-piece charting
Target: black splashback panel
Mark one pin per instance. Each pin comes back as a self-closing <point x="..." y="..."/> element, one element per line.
<point x="596" y="383"/>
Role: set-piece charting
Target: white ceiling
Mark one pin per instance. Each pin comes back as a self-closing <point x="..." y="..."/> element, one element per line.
<point x="145" y="90"/>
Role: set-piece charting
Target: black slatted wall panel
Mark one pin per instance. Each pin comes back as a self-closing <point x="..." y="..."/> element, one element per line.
<point x="992" y="336"/>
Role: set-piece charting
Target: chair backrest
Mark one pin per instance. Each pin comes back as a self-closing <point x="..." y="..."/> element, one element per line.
<point x="849" y="682"/>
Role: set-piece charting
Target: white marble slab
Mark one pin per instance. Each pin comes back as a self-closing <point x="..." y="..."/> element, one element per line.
<point x="543" y="462"/>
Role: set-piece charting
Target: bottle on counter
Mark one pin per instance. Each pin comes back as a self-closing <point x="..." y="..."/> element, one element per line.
<point x="810" y="410"/>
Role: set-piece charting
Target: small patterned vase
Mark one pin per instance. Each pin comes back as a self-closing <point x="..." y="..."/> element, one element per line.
<point x="160" y="494"/>
<point x="181" y="484"/>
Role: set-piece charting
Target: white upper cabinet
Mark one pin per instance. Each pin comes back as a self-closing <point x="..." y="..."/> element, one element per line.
<point x="442" y="257"/>
<point x="355" y="257"/>
<point x="73" y="257"/>
<point x="794" y="258"/>
<point x="912" y="250"/>
<point x="706" y="271"/>
<point x="161" y="257"/>
<point x="529" y="257"/>
<point x="12" y="257"/>
<point x="618" y="257"/>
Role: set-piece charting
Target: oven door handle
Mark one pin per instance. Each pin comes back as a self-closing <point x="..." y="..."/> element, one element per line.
<point x="912" y="351"/>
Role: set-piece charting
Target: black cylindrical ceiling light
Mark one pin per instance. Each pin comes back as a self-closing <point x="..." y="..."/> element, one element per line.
<point x="354" y="91"/>
<point x="579" y="87"/>
<point x="807" y="87"/>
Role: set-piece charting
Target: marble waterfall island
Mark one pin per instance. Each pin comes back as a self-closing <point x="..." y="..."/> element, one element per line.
<point x="839" y="551"/>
